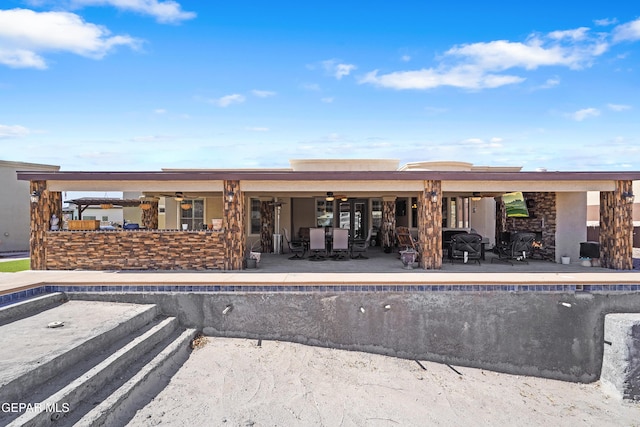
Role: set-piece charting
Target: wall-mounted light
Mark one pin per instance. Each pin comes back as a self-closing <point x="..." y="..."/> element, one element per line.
<point x="35" y="196"/>
<point x="145" y="206"/>
<point x="330" y="197"/>
<point x="434" y="196"/>
<point x="185" y="206"/>
<point x="628" y="196"/>
<point x="230" y="195"/>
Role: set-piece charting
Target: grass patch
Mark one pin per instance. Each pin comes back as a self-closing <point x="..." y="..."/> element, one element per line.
<point x="13" y="266"/>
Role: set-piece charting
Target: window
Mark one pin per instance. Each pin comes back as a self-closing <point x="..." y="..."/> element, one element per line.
<point x="376" y="214"/>
<point x="255" y="216"/>
<point x="324" y="213"/>
<point x="414" y="212"/>
<point x="194" y="216"/>
<point x="105" y="218"/>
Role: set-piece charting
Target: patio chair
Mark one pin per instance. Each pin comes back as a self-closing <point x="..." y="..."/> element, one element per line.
<point x="340" y="246"/>
<point x="518" y="249"/>
<point x="466" y="246"/>
<point x="446" y="241"/>
<point x="360" y="246"/>
<point x="317" y="244"/>
<point x="298" y="248"/>
<point x="405" y="239"/>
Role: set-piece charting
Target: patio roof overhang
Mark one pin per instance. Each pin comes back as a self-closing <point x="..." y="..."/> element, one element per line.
<point x="307" y="182"/>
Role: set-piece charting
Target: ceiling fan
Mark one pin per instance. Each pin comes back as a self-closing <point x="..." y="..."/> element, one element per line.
<point x="331" y="196"/>
<point x="180" y="196"/>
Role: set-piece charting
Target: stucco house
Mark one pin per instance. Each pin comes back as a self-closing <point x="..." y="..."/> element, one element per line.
<point x="254" y="205"/>
<point x="14" y="210"/>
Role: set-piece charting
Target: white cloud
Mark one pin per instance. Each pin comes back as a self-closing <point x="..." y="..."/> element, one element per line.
<point x="575" y="34"/>
<point x="14" y="131"/>
<point x="479" y="143"/>
<point x="483" y="65"/>
<point x="605" y="22"/>
<point x="337" y="69"/>
<point x="618" y="107"/>
<point x="227" y="100"/>
<point x="405" y="58"/>
<point x="585" y="113"/>
<point x="552" y="82"/>
<point x="310" y="86"/>
<point x="160" y="111"/>
<point x="627" y="32"/>
<point x="461" y="77"/>
<point x="263" y="93"/>
<point x="327" y="100"/>
<point x="166" y="12"/>
<point x="25" y="35"/>
<point x="150" y="138"/>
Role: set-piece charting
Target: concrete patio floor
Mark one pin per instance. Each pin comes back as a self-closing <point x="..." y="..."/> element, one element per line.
<point x="380" y="262"/>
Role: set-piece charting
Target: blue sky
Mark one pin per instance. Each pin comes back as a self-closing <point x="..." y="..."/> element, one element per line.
<point x="146" y="84"/>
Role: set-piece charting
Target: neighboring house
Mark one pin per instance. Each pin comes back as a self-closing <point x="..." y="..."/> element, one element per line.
<point x="255" y="205"/>
<point x="14" y="209"/>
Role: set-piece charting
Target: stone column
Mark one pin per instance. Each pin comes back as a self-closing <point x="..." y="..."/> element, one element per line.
<point x="48" y="204"/>
<point x="430" y="225"/>
<point x="267" y="224"/>
<point x="150" y="215"/>
<point x="616" y="228"/>
<point x="234" y="225"/>
<point x="388" y="222"/>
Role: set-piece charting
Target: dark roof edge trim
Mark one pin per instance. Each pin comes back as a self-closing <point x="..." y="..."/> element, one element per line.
<point x="326" y="176"/>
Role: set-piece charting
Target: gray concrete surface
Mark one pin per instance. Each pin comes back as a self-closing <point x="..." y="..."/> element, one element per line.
<point x="31" y="352"/>
<point x="621" y="359"/>
<point x="546" y="334"/>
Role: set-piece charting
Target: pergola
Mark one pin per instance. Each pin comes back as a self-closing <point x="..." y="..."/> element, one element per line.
<point x="106" y="203"/>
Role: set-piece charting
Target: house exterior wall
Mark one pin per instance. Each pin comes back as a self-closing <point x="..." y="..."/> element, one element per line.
<point x="571" y="220"/>
<point x="483" y="219"/>
<point x="14" y="210"/>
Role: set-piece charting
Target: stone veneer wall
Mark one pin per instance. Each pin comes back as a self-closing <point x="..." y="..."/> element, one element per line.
<point x="267" y="226"/>
<point x="135" y="250"/>
<point x="150" y="216"/>
<point x="49" y="203"/>
<point x="430" y="225"/>
<point x="616" y="228"/>
<point x="388" y="222"/>
<point x="542" y="219"/>
<point x="234" y="226"/>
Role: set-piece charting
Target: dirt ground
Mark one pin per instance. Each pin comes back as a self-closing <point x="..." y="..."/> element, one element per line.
<point x="238" y="382"/>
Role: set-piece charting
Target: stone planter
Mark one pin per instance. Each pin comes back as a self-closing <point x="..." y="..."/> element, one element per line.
<point x="408" y="257"/>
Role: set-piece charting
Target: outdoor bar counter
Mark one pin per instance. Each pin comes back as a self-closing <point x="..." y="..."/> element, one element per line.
<point x="135" y="250"/>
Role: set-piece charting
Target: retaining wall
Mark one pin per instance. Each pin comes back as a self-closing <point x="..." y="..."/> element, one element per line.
<point x="555" y="335"/>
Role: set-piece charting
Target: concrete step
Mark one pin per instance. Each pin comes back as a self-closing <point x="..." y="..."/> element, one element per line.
<point x="120" y="406"/>
<point x="23" y="309"/>
<point x="74" y="399"/>
<point x="32" y="354"/>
